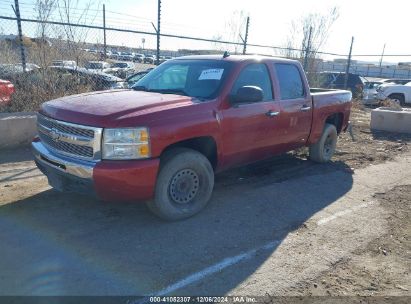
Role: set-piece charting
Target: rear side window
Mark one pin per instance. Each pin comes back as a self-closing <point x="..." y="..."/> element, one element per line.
<point x="289" y="77"/>
<point x="255" y="74"/>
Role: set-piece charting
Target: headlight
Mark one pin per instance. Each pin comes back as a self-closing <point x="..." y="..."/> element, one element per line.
<point x="127" y="143"/>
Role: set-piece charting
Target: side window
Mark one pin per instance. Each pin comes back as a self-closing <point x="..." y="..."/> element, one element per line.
<point x="255" y="74"/>
<point x="289" y="77"/>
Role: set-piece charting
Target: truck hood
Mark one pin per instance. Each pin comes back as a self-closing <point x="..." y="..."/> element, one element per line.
<point x="109" y="108"/>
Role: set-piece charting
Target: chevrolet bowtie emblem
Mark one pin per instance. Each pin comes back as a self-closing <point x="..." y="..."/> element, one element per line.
<point x="55" y="134"/>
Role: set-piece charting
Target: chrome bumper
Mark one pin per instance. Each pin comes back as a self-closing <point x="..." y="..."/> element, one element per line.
<point x="78" y="168"/>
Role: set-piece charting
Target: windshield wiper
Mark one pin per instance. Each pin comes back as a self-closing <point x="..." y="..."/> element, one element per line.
<point x="169" y="91"/>
<point x="140" y="88"/>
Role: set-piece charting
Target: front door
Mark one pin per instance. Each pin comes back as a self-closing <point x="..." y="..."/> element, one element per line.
<point x="249" y="130"/>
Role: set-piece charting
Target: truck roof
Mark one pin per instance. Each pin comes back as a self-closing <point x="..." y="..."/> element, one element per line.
<point x="235" y="58"/>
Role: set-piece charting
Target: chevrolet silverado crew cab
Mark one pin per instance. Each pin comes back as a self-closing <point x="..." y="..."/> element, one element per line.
<point x="162" y="140"/>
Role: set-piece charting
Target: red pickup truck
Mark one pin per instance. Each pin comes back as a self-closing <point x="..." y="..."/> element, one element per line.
<point x="162" y="140"/>
<point x="6" y="90"/>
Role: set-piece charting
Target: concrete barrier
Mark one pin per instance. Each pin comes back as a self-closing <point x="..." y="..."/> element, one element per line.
<point x="392" y="120"/>
<point x="17" y="129"/>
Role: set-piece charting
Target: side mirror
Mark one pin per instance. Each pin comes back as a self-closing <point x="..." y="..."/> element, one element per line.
<point x="248" y="94"/>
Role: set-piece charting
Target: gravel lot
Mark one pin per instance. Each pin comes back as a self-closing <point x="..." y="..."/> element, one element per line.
<point x="285" y="226"/>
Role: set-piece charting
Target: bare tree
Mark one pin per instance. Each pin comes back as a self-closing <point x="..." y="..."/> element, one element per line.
<point x="44" y="10"/>
<point x="297" y="40"/>
<point x="234" y="27"/>
<point x="72" y="12"/>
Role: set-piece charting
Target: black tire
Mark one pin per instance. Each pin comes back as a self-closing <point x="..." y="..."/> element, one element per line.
<point x="323" y="150"/>
<point x="184" y="185"/>
<point x="399" y="98"/>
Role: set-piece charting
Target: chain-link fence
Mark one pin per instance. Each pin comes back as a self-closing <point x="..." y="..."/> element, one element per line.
<point x="51" y="58"/>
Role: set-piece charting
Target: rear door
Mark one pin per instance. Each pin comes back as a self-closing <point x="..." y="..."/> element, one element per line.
<point x="249" y="129"/>
<point x="296" y="104"/>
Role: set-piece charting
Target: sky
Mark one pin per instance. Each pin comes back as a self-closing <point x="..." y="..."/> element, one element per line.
<point x="372" y="23"/>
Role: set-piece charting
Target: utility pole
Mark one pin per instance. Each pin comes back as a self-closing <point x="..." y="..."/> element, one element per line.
<point x="104" y="30"/>
<point x="382" y="56"/>
<point x="158" y="32"/>
<point x="308" y="49"/>
<point x="16" y="9"/>
<point x="348" y="64"/>
<point x="246" y="36"/>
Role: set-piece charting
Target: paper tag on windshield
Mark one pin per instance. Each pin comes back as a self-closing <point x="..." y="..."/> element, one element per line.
<point x="211" y="74"/>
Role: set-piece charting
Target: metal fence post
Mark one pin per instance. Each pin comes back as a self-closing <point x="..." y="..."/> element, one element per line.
<point x="104" y="31"/>
<point x="307" y="49"/>
<point x="348" y="65"/>
<point x="22" y="53"/>
<point x="158" y="32"/>
<point x="381" y="58"/>
<point x="246" y="36"/>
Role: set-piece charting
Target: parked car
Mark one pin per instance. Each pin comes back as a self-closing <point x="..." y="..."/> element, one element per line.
<point x="9" y="70"/>
<point x="124" y="56"/>
<point x="138" y="58"/>
<point x="114" y="55"/>
<point x="96" y="80"/>
<point x="101" y="66"/>
<point x="131" y="80"/>
<point x="195" y="115"/>
<point x="164" y="59"/>
<point x="64" y="63"/>
<point x="396" y="92"/>
<point x="121" y="69"/>
<point x="370" y="91"/>
<point x="335" y="80"/>
<point x="150" y="59"/>
<point x="6" y="91"/>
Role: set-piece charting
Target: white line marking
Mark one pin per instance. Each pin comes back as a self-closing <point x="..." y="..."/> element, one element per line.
<point x="344" y="212"/>
<point x="227" y="262"/>
<point x="230" y="261"/>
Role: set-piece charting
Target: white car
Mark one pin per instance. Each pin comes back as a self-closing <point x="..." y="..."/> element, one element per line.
<point x="64" y="63"/>
<point x="396" y="92"/>
<point x="121" y="69"/>
<point x="369" y="92"/>
<point x="99" y="66"/>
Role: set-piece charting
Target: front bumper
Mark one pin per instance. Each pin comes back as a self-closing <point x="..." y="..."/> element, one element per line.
<point x="108" y="180"/>
<point x="380" y="96"/>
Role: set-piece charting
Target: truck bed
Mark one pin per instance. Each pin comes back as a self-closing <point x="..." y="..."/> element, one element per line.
<point x="326" y="103"/>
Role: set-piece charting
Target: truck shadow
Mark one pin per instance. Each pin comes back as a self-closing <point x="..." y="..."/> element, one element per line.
<point x="66" y="244"/>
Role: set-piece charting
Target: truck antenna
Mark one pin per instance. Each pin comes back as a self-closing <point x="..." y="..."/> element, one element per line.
<point x="226" y="54"/>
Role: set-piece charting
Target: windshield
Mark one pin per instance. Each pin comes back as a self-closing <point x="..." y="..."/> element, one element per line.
<point x="194" y="78"/>
<point x="94" y="65"/>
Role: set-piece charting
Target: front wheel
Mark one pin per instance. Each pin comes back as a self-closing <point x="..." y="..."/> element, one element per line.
<point x="184" y="185"/>
<point x="398" y="98"/>
<point x="323" y="150"/>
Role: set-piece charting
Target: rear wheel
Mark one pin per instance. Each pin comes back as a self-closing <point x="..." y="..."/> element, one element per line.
<point x="184" y="185"/>
<point x="398" y="98"/>
<point x="323" y="150"/>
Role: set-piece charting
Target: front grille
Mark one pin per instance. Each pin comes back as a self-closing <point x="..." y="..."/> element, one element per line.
<point x="73" y="149"/>
<point x="70" y="139"/>
<point x="49" y="123"/>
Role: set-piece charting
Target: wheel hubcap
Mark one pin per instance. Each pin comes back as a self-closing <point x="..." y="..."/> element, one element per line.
<point x="184" y="186"/>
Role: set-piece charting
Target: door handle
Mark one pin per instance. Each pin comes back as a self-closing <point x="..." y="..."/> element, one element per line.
<point x="305" y="108"/>
<point x="272" y="113"/>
